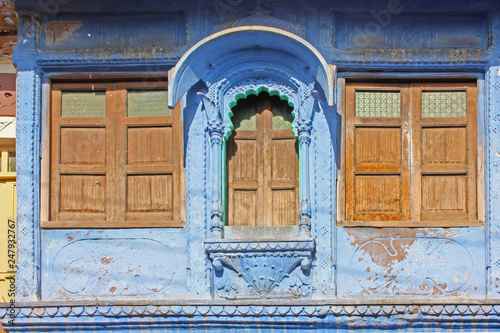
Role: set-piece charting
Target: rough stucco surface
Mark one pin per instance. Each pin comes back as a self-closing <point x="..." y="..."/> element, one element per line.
<point x="411" y="263"/>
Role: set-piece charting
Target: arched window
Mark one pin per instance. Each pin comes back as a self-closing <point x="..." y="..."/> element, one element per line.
<point x="262" y="164"/>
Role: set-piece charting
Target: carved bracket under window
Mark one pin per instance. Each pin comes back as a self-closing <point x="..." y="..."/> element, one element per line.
<point x="253" y="270"/>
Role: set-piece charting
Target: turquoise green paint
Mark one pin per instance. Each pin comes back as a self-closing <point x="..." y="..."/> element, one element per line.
<point x="224" y="182"/>
<point x="231" y="105"/>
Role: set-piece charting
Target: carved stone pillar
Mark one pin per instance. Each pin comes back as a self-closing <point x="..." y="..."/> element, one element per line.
<point x="304" y="127"/>
<point x="28" y="183"/>
<point x="216" y="137"/>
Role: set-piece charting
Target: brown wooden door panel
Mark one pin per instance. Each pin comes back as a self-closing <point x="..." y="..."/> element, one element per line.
<point x="262" y="165"/>
<point x="442" y="145"/>
<point x="83" y="145"/>
<point x="378" y="146"/>
<point x="284" y="159"/>
<point x="444" y="130"/>
<point x="243" y="159"/>
<point x="146" y="145"/>
<point x="83" y="193"/>
<point x="284" y="203"/>
<point x="244" y="208"/>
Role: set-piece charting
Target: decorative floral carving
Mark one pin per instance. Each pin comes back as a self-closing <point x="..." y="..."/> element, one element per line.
<point x="119" y="262"/>
<point x="417" y="265"/>
<point x="261" y="269"/>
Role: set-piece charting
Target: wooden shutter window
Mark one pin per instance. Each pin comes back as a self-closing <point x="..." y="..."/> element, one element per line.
<point x="444" y="130"/>
<point x="116" y="151"/>
<point x="377" y="177"/>
<point x="262" y="164"/>
<point x="410" y="155"/>
<point x="148" y="160"/>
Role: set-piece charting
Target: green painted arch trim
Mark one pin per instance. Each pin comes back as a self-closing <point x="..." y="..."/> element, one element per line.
<point x="255" y="92"/>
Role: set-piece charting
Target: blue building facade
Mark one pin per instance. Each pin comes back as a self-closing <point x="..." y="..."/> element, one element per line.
<point x="326" y="271"/>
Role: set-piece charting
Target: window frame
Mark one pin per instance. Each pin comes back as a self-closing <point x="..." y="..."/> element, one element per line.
<point x="261" y="104"/>
<point x="119" y="86"/>
<point x="413" y="80"/>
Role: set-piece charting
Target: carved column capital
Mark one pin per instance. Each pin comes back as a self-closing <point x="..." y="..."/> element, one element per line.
<point x="214" y="128"/>
<point x="304" y="127"/>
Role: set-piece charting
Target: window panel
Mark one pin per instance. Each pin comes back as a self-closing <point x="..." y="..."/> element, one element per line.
<point x="444" y="193"/>
<point x="282" y="117"/>
<point x="284" y="159"/>
<point x="378" y="194"/>
<point x="150" y="193"/>
<point x="449" y="104"/>
<point x="11" y="162"/>
<point x="245" y="212"/>
<point x="284" y="208"/>
<point x="262" y="164"/>
<point x="245" y="166"/>
<point x="444" y="145"/>
<point x="83" y="193"/>
<point x="82" y="145"/>
<point x="149" y="145"/>
<point x="83" y="104"/>
<point x="411" y="170"/>
<point x="378" y="104"/>
<point x="116" y="170"/>
<point x="148" y="103"/>
<point x="378" y="145"/>
<point x="244" y="117"/>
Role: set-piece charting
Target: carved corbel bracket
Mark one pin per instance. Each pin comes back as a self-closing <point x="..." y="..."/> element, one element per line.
<point x="256" y="270"/>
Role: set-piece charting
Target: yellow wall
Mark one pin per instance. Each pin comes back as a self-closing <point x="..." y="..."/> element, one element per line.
<point x="7" y="211"/>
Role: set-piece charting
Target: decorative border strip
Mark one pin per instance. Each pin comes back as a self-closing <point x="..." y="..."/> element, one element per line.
<point x="257" y="246"/>
<point x="256" y="310"/>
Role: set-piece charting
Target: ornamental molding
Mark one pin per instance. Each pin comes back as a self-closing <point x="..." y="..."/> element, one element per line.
<point x="216" y="247"/>
<point x="262" y="17"/>
<point x="253" y="270"/>
<point x="482" y="311"/>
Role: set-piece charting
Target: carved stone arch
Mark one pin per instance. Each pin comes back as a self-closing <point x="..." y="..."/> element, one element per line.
<point x="233" y="47"/>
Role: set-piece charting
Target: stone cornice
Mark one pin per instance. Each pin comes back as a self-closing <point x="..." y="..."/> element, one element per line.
<point x="255" y="308"/>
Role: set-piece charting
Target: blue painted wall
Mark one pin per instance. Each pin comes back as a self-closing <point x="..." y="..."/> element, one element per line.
<point x="362" y="277"/>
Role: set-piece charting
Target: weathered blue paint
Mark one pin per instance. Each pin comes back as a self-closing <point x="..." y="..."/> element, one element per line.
<point x="113" y="264"/>
<point x="153" y="280"/>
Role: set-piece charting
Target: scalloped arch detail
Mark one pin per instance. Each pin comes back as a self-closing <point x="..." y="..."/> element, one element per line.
<point x="256" y="92"/>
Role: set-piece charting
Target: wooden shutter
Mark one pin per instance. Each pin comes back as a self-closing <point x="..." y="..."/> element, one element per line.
<point x="410" y="154"/>
<point x="262" y="164"/>
<point x="116" y="154"/>
<point x="444" y="136"/>
<point x="377" y="153"/>
<point x="83" y="149"/>
<point x="148" y="154"/>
